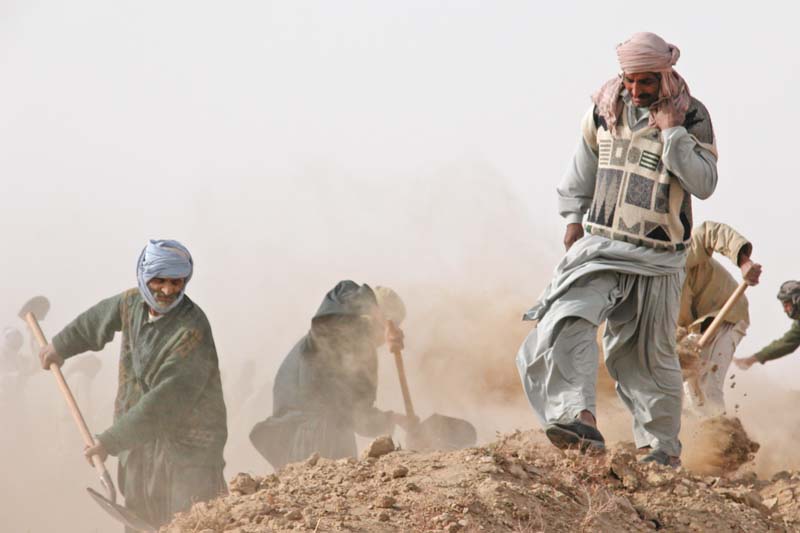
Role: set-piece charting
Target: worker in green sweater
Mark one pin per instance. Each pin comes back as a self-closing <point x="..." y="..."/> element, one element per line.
<point x="789" y="295"/>
<point x="170" y="423"/>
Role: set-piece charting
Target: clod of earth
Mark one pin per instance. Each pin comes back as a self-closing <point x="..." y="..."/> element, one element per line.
<point x="720" y="446"/>
<point x="380" y="446"/>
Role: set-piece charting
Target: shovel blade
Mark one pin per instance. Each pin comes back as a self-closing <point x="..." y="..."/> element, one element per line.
<point x="38" y="306"/>
<point x="440" y="432"/>
<point x="121" y="514"/>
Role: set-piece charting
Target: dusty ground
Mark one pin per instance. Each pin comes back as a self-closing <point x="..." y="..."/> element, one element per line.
<point x="518" y="483"/>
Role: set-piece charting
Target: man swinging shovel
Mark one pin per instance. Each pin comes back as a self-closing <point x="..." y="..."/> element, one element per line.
<point x="696" y="363"/>
<point x="170" y="425"/>
<point x="712" y="304"/>
<point x="32" y="312"/>
<point x="694" y="366"/>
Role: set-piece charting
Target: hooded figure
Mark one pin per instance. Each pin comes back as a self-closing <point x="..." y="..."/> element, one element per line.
<point x="325" y="389"/>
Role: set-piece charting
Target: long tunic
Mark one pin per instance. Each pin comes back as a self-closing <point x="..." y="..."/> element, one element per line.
<point x="170" y="425"/>
<point x="324" y="393"/>
<point x="319" y="404"/>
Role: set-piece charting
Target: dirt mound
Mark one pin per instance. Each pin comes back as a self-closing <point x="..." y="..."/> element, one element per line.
<point x="718" y="446"/>
<point x="518" y="483"/>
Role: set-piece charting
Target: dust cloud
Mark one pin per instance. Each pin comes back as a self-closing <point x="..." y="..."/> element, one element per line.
<point x="455" y="243"/>
<point x="758" y="432"/>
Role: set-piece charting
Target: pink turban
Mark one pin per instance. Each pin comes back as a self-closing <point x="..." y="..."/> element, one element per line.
<point x="644" y="52"/>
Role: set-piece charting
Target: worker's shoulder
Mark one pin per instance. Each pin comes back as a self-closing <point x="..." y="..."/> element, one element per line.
<point x="130" y="294"/>
<point x="698" y="121"/>
<point x="125" y="299"/>
<point x="598" y="119"/>
<point x="193" y="316"/>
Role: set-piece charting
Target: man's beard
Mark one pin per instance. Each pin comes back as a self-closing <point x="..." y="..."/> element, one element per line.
<point x="164" y="301"/>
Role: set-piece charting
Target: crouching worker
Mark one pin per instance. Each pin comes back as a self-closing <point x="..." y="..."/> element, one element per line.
<point x="169" y="425"/>
<point x="325" y="389"/>
<point x="706" y="290"/>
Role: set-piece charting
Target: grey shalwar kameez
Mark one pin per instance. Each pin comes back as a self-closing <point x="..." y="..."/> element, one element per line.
<point x="325" y="389"/>
<point x="635" y="288"/>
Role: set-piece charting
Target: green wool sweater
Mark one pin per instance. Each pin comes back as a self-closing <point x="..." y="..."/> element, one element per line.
<point x="783" y="346"/>
<point x="169" y="381"/>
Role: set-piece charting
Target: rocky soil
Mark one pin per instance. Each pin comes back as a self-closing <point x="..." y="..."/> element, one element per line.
<point x="519" y="484"/>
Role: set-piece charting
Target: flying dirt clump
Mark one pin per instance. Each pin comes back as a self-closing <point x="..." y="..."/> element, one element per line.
<point x="719" y="446"/>
<point x="518" y="483"/>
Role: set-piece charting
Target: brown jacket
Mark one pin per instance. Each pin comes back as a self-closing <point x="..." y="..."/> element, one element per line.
<point x="708" y="284"/>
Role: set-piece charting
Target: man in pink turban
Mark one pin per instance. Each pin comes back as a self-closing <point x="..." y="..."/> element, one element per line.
<point x="647" y="148"/>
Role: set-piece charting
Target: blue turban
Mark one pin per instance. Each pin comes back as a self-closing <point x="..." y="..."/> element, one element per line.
<point x="163" y="259"/>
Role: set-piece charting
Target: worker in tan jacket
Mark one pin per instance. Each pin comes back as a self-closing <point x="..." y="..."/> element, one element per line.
<point x="707" y="287"/>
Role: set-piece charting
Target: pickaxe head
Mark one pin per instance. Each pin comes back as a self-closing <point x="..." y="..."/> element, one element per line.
<point x="38" y="306"/>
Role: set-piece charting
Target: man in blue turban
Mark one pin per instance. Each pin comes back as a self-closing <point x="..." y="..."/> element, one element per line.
<point x="170" y="423"/>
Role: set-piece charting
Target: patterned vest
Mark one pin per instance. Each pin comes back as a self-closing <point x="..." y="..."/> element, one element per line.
<point x="636" y="199"/>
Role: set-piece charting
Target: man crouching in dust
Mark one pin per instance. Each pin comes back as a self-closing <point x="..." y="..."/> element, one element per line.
<point x="325" y="389"/>
<point x="169" y="425"/>
<point x="647" y="147"/>
<point x="706" y="290"/>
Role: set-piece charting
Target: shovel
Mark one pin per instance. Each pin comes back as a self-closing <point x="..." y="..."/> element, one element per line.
<point x="694" y="382"/>
<point x="437" y="432"/>
<point x="118" y="512"/>
<point x="38" y="306"/>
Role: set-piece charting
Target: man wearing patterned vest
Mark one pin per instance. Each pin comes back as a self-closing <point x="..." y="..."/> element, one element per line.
<point x="647" y="148"/>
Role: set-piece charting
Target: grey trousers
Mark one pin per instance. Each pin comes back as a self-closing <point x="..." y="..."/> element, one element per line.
<point x="558" y="360"/>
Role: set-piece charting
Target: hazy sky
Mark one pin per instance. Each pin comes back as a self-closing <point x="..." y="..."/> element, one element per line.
<point x="415" y="143"/>
<point x="217" y="124"/>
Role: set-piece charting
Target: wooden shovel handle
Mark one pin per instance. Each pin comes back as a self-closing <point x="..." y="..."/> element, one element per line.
<point x="720" y="318"/>
<point x="401" y="374"/>
<point x="70" y="399"/>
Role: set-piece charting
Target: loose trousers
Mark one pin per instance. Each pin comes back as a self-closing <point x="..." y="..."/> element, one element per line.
<point x="558" y="360"/>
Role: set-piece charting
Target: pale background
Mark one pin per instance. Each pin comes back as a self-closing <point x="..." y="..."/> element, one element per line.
<point x="293" y="144"/>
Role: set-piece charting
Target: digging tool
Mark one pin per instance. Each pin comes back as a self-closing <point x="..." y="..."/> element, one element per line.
<point x="118" y="512"/>
<point x="723" y="313"/>
<point x="694" y="382"/>
<point x="437" y="431"/>
<point x="38" y="306"/>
